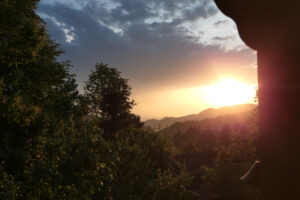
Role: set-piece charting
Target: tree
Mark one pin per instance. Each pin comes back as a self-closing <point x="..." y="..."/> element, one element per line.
<point x="148" y="168"/>
<point x="108" y="96"/>
<point x="231" y="162"/>
<point x="37" y="92"/>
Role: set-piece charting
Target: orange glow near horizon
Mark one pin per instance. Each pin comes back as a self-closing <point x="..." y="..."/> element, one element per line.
<point x="192" y="100"/>
<point x="229" y="92"/>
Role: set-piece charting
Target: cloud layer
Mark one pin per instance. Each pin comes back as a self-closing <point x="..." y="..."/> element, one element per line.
<point x="155" y="43"/>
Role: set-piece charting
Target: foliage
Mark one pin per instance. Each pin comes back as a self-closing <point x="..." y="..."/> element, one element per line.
<point x="146" y="159"/>
<point x="166" y="186"/>
<point x="108" y="92"/>
<point x="218" y="158"/>
<point x="73" y="165"/>
<point x="195" y="140"/>
<point x="37" y="91"/>
<point x="231" y="162"/>
<point x="9" y="187"/>
<point x="108" y="96"/>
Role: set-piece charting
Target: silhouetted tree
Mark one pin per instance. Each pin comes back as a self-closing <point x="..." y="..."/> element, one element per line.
<point x="108" y="97"/>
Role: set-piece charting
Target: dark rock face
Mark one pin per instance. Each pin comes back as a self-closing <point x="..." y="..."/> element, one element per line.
<point x="272" y="28"/>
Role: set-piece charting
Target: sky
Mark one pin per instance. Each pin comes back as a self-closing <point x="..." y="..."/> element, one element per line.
<point x="170" y="50"/>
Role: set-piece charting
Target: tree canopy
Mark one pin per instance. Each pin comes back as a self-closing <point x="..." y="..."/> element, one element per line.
<point x="108" y="97"/>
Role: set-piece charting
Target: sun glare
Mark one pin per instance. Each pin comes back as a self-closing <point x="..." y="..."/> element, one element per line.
<point x="184" y="101"/>
<point x="230" y="92"/>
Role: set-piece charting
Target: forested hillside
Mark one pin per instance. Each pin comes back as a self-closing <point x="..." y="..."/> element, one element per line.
<point x="217" y="152"/>
<point x="214" y="124"/>
<point x="208" y="113"/>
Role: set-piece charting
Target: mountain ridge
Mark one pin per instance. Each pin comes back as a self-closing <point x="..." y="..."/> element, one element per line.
<point x="207" y="113"/>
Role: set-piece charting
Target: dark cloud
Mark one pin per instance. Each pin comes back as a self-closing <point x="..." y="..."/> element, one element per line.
<point x="129" y="36"/>
<point x="221" y="22"/>
<point x="231" y="37"/>
<point x="132" y="11"/>
<point x="202" y="10"/>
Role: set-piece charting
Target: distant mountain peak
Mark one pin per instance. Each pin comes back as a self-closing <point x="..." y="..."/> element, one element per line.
<point x="207" y="113"/>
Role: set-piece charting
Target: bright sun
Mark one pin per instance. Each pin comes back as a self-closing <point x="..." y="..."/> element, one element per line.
<point x="230" y="92"/>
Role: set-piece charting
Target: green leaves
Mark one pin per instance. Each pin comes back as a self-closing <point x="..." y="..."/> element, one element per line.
<point x="168" y="186"/>
<point x="36" y="91"/>
<point x="9" y="187"/>
<point x="108" y="93"/>
<point x="231" y="162"/>
<point x="108" y="99"/>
